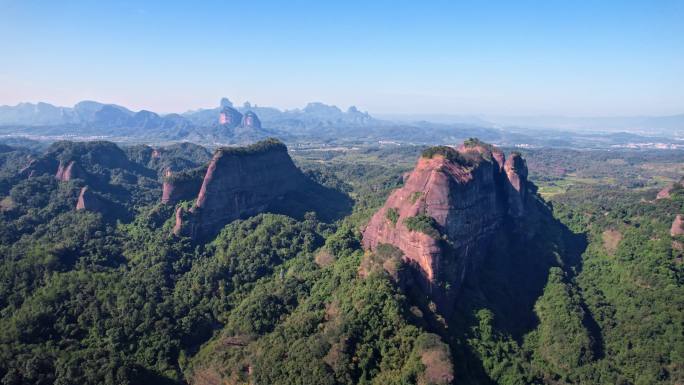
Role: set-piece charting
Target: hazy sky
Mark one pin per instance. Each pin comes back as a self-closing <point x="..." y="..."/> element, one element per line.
<point x="462" y="57"/>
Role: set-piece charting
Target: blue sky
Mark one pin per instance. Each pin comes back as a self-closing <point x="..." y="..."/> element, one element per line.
<point x="586" y="58"/>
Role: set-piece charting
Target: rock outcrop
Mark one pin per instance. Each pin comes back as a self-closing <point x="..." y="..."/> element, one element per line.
<point x="87" y="200"/>
<point x="451" y="205"/>
<point x="516" y="191"/>
<point x="182" y="185"/>
<point x="250" y="120"/>
<point x="67" y="171"/>
<point x="240" y="182"/>
<point x="677" y="227"/>
<point x="666" y="192"/>
<point x="229" y="116"/>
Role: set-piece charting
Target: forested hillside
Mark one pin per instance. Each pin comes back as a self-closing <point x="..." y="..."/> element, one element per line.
<point x="107" y="294"/>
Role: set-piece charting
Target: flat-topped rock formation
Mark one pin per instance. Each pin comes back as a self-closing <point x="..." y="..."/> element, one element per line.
<point x="243" y="181"/>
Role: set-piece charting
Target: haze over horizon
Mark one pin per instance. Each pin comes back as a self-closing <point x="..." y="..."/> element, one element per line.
<point x="529" y="58"/>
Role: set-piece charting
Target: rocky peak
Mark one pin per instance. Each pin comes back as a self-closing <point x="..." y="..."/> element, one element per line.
<point x="250" y="120"/>
<point x="451" y="204"/>
<point x="225" y="102"/>
<point x="239" y="182"/>
<point x="229" y="117"/>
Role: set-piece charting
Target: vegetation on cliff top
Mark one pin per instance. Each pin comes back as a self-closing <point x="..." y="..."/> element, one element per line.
<point x="263" y="146"/>
<point x="476" y="142"/>
<point x="447" y="152"/>
<point x="194" y="174"/>
<point x="464" y="159"/>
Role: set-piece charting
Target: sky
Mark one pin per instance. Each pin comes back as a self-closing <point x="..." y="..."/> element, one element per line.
<point x="546" y="57"/>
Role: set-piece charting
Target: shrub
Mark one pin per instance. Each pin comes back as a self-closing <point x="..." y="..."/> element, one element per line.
<point x="415" y="196"/>
<point x="424" y="224"/>
<point x="475" y="142"/>
<point x="392" y="214"/>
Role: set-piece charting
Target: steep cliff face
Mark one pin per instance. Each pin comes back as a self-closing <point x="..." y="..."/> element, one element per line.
<point x="251" y="120"/>
<point x="182" y="185"/>
<point x="240" y="182"/>
<point x="67" y="171"/>
<point x="230" y="117"/>
<point x="449" y="208"/>
<point x="516" y="188"/>
<point x="87" y="200"/>
<point x="677" y="227"/>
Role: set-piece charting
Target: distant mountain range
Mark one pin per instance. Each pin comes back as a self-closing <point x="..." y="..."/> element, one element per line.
<point x="669" y="125"/>
<point x="327" y="124"/>
<point x="314" y="115"/>
<point x="93" y="118"/>
<point x="89" y="118"/>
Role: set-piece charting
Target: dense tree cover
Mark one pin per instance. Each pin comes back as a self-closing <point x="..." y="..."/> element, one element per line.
<point x="179" y="156"/>
<point x="448" y="152"/>
<point x="635" y="291"/>
<point x="325" y="326"/>
<point x="87" y="299"/>
<point x="150" y="300"/>
<point x="621" y="168"/>
<point x="592" y="295"/>
<point x="614" y="317"/>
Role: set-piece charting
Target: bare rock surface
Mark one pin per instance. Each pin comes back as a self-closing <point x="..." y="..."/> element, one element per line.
<point x="451" y="204"/>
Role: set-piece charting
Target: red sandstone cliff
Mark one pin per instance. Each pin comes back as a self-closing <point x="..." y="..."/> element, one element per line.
<point x="239" y="182"/>
<point x="87" y="200"/>
<point x="229" y="116"/>
<point x="677" y="227"/>
<point x="67" y="171"/>
<point x="467" y="194"/>
<point x="666" y="192"/>
<point x="182" y="185"/>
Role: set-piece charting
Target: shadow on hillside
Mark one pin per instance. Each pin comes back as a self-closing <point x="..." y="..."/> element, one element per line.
<point x="140" y="375"/>
<point x="329" y="204"/>
<point x="509" y="280"/>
